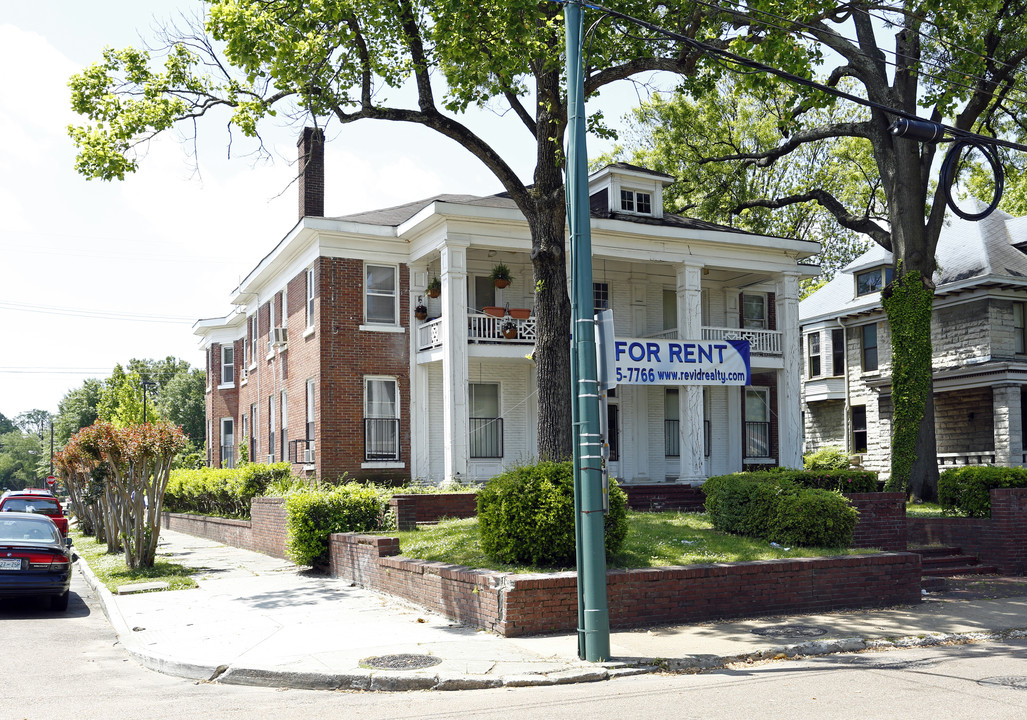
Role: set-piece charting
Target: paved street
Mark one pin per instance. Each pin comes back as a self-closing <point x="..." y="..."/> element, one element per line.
<point x="71" y="666"/>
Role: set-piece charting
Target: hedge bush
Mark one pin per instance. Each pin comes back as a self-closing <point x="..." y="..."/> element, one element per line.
<point x="967" y="490"/>
<point x="774" y="507"/>
<point x="224" y="492"/>
<point x="526" y="516"/>
<point x="314" y="514"/>
<point x="830" y="457"/>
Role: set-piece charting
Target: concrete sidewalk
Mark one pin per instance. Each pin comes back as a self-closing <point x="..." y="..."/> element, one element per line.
<point x="257" y="620"/>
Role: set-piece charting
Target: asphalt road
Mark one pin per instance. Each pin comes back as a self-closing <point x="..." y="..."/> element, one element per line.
<point x="70" y="666"/>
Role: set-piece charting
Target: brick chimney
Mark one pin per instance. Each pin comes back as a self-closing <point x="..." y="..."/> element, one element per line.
<point x="311" y="172"/>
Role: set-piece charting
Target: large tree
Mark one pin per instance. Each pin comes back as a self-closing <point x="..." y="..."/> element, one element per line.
<point x="941" y="60"/>
<point x="337" y="60"/>
<point x="676" y="135"/>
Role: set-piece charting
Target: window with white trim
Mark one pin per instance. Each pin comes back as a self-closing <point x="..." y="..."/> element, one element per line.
<point x="310" y="297"/>
<point x="871" y="281"/>
<point x="1019" y="336"/>
<point x="757" y="422"/>
<point x="381" y="419"/>
<point x="636" y="202"/>
<point x="381" y="294"/>
<point x="271" y="428"/>
<point x="226" y="455"/>
<point x="254" y="332"/>
<point x="754" y="311"/>
<point x="813" y="354"/>
<point x="486" y="425"/>
<point x="271" y="325"/>
<point x="228" y="364"/>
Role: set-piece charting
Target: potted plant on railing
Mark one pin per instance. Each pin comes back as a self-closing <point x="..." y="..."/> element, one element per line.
<point x="509" y="329"/>
<point x="434" y="287"/>
<point x="421" y="311"/>
<point x="500" y="275"/>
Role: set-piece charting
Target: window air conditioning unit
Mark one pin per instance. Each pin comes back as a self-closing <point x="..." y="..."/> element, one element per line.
<point x="279" y="336"/>
<point x="270" y="459"/>
<point x="308" y="455"/>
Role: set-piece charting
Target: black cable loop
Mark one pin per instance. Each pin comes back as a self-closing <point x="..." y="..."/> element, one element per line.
<point x="948" y="176"/>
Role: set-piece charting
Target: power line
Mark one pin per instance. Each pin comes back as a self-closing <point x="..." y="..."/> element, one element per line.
<point x="97" y="314"/>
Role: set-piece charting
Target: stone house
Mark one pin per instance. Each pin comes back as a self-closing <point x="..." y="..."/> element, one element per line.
<point x="980" y="357"/>
<point x="337" y="359"/>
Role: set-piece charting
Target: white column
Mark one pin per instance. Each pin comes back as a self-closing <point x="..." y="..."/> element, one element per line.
<point x="1007" y="424"/>
<point x="689" y="290"/>
<point x="419" y="406"/>
<point x="634" y="399"/>
<point x="454" y="359"/>
<point x="789" y="400"/>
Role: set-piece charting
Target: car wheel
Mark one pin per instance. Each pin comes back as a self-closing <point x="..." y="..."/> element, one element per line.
<point x="59" y="602"/>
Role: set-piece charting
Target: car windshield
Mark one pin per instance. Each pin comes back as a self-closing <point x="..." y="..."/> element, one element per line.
<point x="28" y="530"/>
<point x="41" y="505"/>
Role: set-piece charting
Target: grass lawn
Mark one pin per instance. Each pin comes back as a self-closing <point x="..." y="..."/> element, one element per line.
<point x="654" y="540"/>
<point x="925" y="510"/>
<point x="112" y="571"/>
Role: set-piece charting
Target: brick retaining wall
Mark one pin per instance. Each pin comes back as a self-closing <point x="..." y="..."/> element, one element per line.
<point x="515" y="605"/>
<point x="882" y="520"/>
<point x="264" y="533"/>
<point x="1000" y="540"/>
<point x="416" y="508"/>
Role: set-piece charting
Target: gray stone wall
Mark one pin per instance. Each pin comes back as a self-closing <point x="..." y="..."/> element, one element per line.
<point x="963" y="421"/>
<point x="824" y="425"/>
<point x="963" y="333"/>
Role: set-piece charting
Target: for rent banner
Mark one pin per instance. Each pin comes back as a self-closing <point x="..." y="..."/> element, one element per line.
<point x="681" y="362"/>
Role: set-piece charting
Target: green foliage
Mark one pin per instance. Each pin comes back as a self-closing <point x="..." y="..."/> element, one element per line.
<point x="908" y="303"/>
<point x="826" y="458"/>
<point x="966" y="490"/>
<point x="678" y="135"/>
<point x="224" y="492"/>
<point x="20" y="455"/>
<point x="526" y="515"/>
<point x="314" y="514"/>
<point x="773" y="507"/>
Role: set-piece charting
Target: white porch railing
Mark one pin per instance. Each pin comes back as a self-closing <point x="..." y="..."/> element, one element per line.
<point x="947" y="460"/>
<point x="761" y="342"/>
<point x="481" y="328"/>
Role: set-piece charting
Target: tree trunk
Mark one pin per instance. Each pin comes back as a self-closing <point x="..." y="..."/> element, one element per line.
<point x="547" y="220"/>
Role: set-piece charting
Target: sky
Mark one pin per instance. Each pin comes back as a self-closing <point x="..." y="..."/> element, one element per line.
<point x="93" y="274"/>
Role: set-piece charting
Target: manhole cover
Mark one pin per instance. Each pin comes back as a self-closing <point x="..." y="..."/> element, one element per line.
<point x="400" y="662"/>
<point x="1014" y="681"/>
<point x="793" y="630"/>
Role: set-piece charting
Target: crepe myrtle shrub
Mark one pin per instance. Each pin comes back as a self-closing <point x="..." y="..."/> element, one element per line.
<point x="775" y="508"/>
<point x="526" y="516"/>
<point x="314" y="514"/>
<point x="223" y="492"/>
<point x="966" y="491"/>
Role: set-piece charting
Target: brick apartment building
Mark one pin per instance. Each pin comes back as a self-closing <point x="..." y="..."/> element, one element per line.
<point x="337" y="359"/>
<point x="980" y="355"/>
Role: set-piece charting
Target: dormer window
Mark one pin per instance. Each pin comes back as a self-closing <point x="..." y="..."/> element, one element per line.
<point x="636" y="202"/>
<point x="873" y="281"/>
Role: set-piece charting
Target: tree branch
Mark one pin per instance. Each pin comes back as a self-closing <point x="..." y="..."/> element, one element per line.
<point x="857" y="223"/>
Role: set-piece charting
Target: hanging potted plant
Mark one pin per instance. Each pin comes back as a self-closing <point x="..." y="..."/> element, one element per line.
<point x="421" y="311"/>
<point x="500" y="275"/>
<point x="434" y="287"/>
<point x="509" y="329"/>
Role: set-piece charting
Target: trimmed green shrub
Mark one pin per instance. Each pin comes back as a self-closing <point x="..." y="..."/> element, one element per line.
<point x="813" y="518"/>
<point x="773" y="507"/>
<point x="224" y="492"/>
<point x="526" y="516"/>
<point x="314" y="514"/>
<point x="967" y="490"/>
<point x="826" y="458"/>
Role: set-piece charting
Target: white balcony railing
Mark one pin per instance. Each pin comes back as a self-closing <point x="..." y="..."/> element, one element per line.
<point x="983" y="457"/>
<point x="481" y="328"/>
<point x="761" y="342"/>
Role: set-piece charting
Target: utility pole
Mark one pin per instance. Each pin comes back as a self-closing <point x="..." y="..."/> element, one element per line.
<point x="147" y="385"/>
<point x="593" y="613"/>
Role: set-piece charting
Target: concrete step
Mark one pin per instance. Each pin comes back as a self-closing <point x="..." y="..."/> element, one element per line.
<point x="955" y="570"/>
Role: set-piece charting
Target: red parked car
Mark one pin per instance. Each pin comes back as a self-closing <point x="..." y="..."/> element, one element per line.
<point x="34" y="559"/>
<point x="33" y="500"/>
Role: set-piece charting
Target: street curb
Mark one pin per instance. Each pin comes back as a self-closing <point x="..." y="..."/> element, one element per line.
<point x="393" y="681"/>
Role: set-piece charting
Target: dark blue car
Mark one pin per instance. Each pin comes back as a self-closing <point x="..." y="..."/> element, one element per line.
<point x="34" y="559"/>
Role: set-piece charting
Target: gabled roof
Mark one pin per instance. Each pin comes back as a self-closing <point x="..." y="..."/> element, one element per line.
<point x="969" y="253"/>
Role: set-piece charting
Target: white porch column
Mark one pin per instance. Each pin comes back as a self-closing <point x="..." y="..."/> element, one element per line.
<point x="454" y="358"/>
<point x="789" y="401"/>
<point x="634" y="399"/>
<point x="1008" y="426"/>
<point x="420" y="463"/>
<point x="690" y="427"/>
